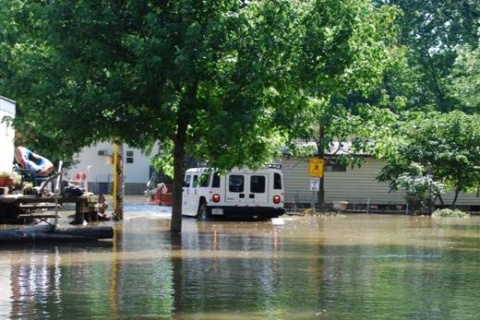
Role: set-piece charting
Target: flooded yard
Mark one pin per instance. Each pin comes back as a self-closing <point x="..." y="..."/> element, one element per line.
<point x="322" y="267"/>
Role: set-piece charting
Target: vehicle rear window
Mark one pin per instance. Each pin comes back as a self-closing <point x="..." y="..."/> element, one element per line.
<point x="277" y="181"/>
<point x="257" y="184"/>
<point x="216" y="180"/>
<point x="236" y="183"/>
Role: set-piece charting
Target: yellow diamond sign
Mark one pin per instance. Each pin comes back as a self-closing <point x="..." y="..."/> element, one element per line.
<point x="316" y="167"/>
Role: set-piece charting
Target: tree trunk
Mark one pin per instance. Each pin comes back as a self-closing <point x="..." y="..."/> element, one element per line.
<point x="454" y="202"/>
<point x="440" y="198"/>
<point x="321" y="155"/>
<point x="178" y="156"/>
<point x="321" y="196"/>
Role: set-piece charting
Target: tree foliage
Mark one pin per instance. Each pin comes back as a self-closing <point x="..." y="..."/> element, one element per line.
<point x="344" y="52"/>
<point x="436" y="75"/>
<point x="449" y="143"/>
<point x="465" y="79"/>
<point x="431" y="31"/>
<point x="222" y="81"/>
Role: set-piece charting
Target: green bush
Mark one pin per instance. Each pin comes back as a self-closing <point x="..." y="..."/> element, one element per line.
<point x="452" y="213"/>
<point x="421" y="189"/>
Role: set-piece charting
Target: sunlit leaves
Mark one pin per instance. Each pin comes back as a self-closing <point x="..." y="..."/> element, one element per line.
<point x="431" y="32"/>
<point x="466" y="78"/>
<point x="341" y="49"/>
<point x="449" y="143"/>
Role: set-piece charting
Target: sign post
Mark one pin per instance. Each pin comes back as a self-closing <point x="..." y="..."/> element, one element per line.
<point x="316" y="167"/>
<point x="316" y="173"/>
<point x="314" y="184"/>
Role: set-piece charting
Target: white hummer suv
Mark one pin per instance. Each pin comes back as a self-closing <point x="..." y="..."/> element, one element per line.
<point x="239" y="193"/>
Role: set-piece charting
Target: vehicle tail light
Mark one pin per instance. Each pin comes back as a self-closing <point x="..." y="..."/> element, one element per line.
<point x="216" y="197"/>
<point x="276" y="199"/>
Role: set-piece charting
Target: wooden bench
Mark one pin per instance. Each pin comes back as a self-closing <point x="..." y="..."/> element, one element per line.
<point x="38" y="206"/>
<point x="31" y="212"/>
<point x="38" y="217"/>
<point x="29" y="207"/>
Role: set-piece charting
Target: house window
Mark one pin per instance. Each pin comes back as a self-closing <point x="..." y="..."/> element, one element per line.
<point x="129" y="156"/>
<point x="335" y="167"/>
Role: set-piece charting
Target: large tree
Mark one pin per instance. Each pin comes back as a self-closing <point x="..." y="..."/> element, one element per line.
<point x="218" y="80"/>
<point x="342" y="54"/>
<point x="188" y="72"/>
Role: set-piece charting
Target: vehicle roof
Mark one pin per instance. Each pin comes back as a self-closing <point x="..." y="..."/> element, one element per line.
<point x="235" y="170"/>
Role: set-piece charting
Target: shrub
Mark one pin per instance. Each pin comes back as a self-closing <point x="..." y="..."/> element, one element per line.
<point x="420" y="191"/>
<point x="451" y="213"/>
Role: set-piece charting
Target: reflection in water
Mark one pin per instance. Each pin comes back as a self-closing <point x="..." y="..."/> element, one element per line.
<point x="340" y="267"/>
<point x="35" y="278"/>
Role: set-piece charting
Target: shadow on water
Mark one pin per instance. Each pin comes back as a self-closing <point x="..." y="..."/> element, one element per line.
<point x="339" y="267"/>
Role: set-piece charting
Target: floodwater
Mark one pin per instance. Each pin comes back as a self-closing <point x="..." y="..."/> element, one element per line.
<point x="325" y="267"/>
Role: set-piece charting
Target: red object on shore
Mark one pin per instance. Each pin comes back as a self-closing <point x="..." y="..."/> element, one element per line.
<point x="161" y="195"/>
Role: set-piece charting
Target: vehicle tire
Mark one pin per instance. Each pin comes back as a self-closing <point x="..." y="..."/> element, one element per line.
<point x="202" y="214"/>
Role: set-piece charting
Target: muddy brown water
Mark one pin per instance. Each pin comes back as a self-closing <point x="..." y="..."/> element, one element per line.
<point x="353" y="266"/>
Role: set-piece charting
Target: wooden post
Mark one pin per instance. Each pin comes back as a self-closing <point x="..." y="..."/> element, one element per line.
<point x="118" y="184"/>
<point x="58" y="189"/>
<point x="115" y="179"/>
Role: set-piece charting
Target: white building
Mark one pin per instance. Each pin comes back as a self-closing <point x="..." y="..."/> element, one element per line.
<point x="7" y="134"/>
<point x="95" y="165"/>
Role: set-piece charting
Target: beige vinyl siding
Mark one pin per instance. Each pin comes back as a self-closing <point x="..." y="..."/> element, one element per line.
<point x="464" y="199"/>
<point x="357" y="185"/>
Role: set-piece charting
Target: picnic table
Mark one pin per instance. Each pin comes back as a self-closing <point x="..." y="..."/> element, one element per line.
<point x="28" y="207"/>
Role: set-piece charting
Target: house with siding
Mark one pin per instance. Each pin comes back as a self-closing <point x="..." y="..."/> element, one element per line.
<point x="7" y="134"/>
<point x="358" y="186"/>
